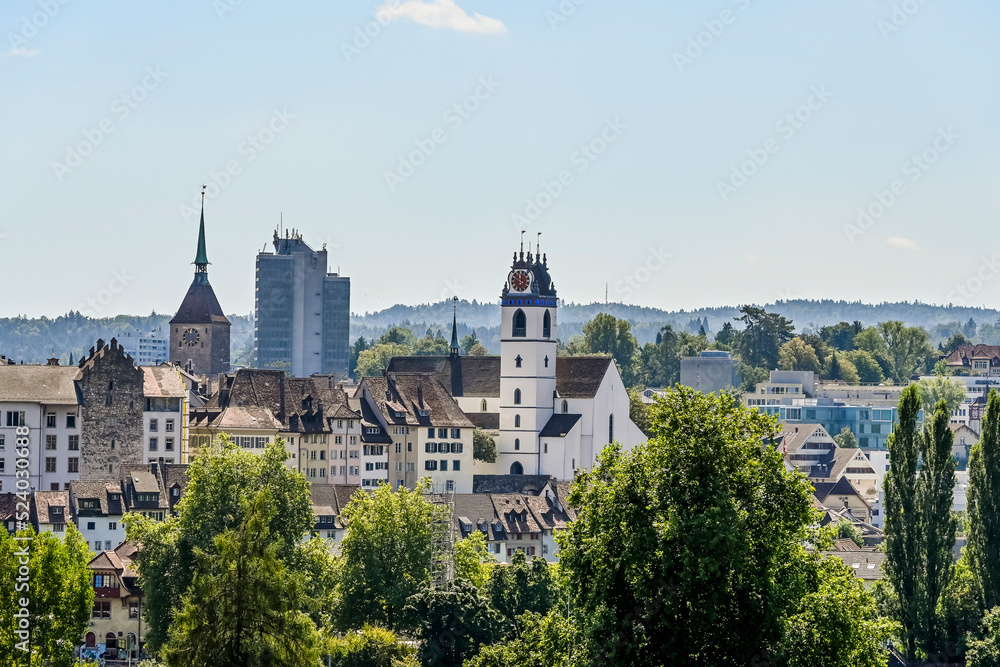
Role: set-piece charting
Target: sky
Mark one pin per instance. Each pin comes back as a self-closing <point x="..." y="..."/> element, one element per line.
<point x="672" y="154"/>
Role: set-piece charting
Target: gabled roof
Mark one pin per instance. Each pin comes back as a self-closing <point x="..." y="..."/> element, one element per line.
<point x="864" y="564"/>
<point x="964" y="354"/>
<point x="510" y="484"/>
<point x="559" y="425"/>
<point x="514" y="513"/>
<point x="461" y="376"/>
<point x="580" y="377"/>
<point x="488" y="421"/>
<point x="44" y="502"/>
<point x="793" y="436"/>
<point x="842" y="487"/>
<point x="162" y="381"/>
<point x="475" y="509"/>
<point x="51" y="385"/>
<point x="420" y="398"/>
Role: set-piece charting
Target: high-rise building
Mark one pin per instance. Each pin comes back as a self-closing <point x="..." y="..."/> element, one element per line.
<point x="303" y="312"/>
<point x="199" y="332"/>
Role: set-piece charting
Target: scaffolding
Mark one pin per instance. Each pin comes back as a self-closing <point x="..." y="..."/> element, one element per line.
<point x="443" y="536"/>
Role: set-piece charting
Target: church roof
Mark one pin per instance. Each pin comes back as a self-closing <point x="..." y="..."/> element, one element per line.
<point x="559" y="426"/>
<point x="200" y="306"/>
<point x="580" y="377"/>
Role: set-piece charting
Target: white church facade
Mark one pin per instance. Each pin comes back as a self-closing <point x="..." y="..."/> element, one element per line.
<point x="551" y="415"/>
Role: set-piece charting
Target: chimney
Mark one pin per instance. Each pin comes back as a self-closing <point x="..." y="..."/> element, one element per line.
<point x="223" y="390"/>
<point x="420" y="391"/>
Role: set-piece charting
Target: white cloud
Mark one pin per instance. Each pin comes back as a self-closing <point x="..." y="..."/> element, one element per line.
<point x="905" y="244"/>
<point x="440" y="14"/>
<point x="22" y="53"/>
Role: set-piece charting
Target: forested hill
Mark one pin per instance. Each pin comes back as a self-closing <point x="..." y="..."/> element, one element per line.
<point x="33" y="340"/>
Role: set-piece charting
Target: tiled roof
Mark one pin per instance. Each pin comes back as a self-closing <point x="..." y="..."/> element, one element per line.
<point x="51" y="385"/>
<point x="413" y="395"/>
<point x="505" y="484"/>
<point x="559" y="425"/>
<point x="324" y="503"/>
<point x="842" y="487"/>
<point x="462" y="376"/>
<point x="44" y="501"/>
<point x="162" y="381"/>
<point x="793" y="436"/>
<point x="580" y="377"/>
<point x="96" y="489"/>
<point x="489" y="421"/>
<point x="8" y="506"/>
<point x="864" y="564"/>
<point x="548" y="515"/>
<point x="475" y="510"/>
<point x="514" y="513"/>
<point x="249" y="417"/>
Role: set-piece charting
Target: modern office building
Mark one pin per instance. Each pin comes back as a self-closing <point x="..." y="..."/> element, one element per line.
<point x="303" y="312"/>
<point x="148" y="348"/>
<point x="870" y="425"/>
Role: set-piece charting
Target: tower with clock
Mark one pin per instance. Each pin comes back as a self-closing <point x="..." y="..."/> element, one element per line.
<point x="527" y="362"/>
<point x="199" y="332"/>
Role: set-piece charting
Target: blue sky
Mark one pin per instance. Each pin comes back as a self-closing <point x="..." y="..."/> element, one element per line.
<point x="828" y="101"/>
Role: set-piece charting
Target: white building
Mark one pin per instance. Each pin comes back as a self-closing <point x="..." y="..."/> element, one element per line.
<point x="148" y="348"/>
<point x="165" y="414"/>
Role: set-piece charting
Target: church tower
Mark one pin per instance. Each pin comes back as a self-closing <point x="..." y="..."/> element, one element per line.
<point x="199" y="332"/>
<point x="527" y="362"/>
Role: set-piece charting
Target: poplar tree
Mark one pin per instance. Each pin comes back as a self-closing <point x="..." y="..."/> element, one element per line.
<point x="903" y="564"/>
<point x="935" y="487"/>
<point x="983" y="499"/>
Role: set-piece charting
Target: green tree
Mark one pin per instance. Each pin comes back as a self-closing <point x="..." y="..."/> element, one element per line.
<point x="846" y="439"/>
<point x="751" y="376"/>
<point x="385" y="556"/>
<point x="373" y="361"/>
<point x="954" y="343"/>
<point x="726" y="335"/>
<point x="521" y="587"/>
<point x="59" y="599"/>
<point x="841" y="368"/>
<point x="868" y="369"/>
<point x="907" y="348"/>
<point x="836" y="625"/>
<point x="397" y="335"/>
<point x="959" y="610"/>
<point x="606" y="334"/>
<point x="847" y="530"/>
<point x="983" y="499"/>
<point x="245" y="606"/>
<point x="546" y="641"/>
<point x="839" y="336"/>
<point x="797" y="355"/>
<point x="687" y="550"/>
<point x="903" y="563"/>
<point x="934" y="496"/>
<point x="360" y="345"/>
<point x="430" y="346"/>
<point x="970" y="329"/>
<point x="369" y="647"/>
<point x="478" y="350"/>
<point x="472" y="560"/>
<point x="484" y="447"/>
<point x="468" y="341"/>
<point x="763" y="334"/>
<point x="638" y="411"/>
<point x="937" y="389"/>
<point x="452" y="623"/>
<point x="985" y="652"/>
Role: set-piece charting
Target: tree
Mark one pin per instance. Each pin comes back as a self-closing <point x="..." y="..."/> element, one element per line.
<point x="430" y="346"/>
<point x="847" y="530"/>
<point x="223" y="481"/>
<point x="638" y="411"/>
<point x="903" y="563"/>
<point x="797" y="355"/>
<point x="245" y="606"/>
<point x="484" y="447"/>
<point x="547" y="641"/>
<point x="385" y="556"/>
<point x="970" y="329"/>
<point x="954" y="343"/>
<point x="751" y="376"/>
<point x="985" y="652"/>
<point x="452" y="623"/>
<point x="907" y="348"/>
<point x="58" y="602"/>
<point x="397" y="336"/>
<point x="472" y="560"/>
<point x="606" y="334"/>
<point x="836" y="625"/>
<point x="478" y="350"/>
<point x="369" y="647"/>
<point x="763" y="335"/>
<point x="839" y="336"/>
<point x="687" y="550"/>
<point x="983" y="499"/>
<point x="360" y="345"/>
<point x="959" y="610"/>
<point x="868" y="369"/>
<point x="841" y="368"/>
<point x="521" y="587"/>
<point x="468" y="341"/>
<point x="937" y="389"/>
<point x="726" y="335"/>
<point x="934" y="494"/>
<point x="373" y="361"/>
<point x="846" y="439"/>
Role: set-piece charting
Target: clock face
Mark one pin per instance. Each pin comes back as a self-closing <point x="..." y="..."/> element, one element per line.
<point x="191" y="337"/>
<point x="519" y="281"/>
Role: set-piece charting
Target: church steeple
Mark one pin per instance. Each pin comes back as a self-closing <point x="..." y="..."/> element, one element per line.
<point x="201" y="258"/>
<point x="454" y="328"/>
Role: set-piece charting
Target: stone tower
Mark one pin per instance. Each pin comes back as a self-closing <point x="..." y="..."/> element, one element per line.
<point x="110" y="387"/>
<point x="527" y="361"/>
<point x="199" y="332"/>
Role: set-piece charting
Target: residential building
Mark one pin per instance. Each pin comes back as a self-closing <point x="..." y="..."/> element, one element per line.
<point x="811" y="449"/>
<point x="711" y="371"/>
<point x="977" y="359"/>
<point x="842" y="494"/>
<point x="51" y="512"/>
<point x="303" y="312"/>
<point x="866" y="565"/>
<point x="964" y="438"/>
<point x="199" y="332"/>
<point x="148" y="348"/>
<point x="165" y="414"/>
<point x="99" y="508"/>
<point x="870" y="425"/>
<point x="116" y="627"/>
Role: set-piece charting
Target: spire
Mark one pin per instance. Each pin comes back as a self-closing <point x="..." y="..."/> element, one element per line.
<point x="201" y="258"/>
<point x="454" y="327"/>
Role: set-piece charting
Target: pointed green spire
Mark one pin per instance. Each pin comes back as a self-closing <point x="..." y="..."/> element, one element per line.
<point x="454" y="327"/>
<point x="201" y="258"/>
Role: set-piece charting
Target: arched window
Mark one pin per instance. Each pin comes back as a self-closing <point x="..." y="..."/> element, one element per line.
<point x="547" y="325"/>
<point x="517" y="361"/>
<point x="517" y="397"/>
<point x="517" y="444"/>
<point x="517" y="421"/>
<point x="516" y="468"/>
<point x="91" y="640"/>
<point x="111" y="640"/>
<point x="483" y="406"/>
<point x="611" y="429"/>
<point x="565" y="407"/>
<point x="546" y="361"/>
<point x="520" y="324"/>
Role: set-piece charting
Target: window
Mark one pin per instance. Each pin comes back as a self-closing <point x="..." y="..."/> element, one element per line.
<point x="483" y="406"/>
<point x="58" y="527"/>
<point x="353" y="470"/>
<point x="517" y="361"/>
<point x="154" y="425"/>
<point x="520" y="324"/>
<point x="353" y="440"/>
<point x="343" y="470"/>
<point x="457" y="447"/>
<point x="399" y="447"/>
<point x="516" y="468"/>
<point x="444" y="466"/>
<point x="322" y="455"/>
<point x="74" y="464"/>
<point x="102" y="608"/>
<point x="70" y="421"/>
<point x="517" y="444"/>
<point x="50" y="442"/>
<point x="133" y="610"/>
<point x="312" y="455"/>
<point x="322" y="472"/>
<point x="547" y="325"/>
<point x="169" y="426"/>
<point x="2" y="464"/>
<point x="91" y="525"/>
<point x="876" y="428"/>
<point x="50" y="464"/>
<point x="50" y="420"/>
<point x="456" y="465"/>
<point x="2" y="442"/>
<point x="517" y="397"/>
<point x="153" y="444"/>
<point x="611" y="429"/>
<point x="565" y="407"/>
<point x="353" y="454"/>
<point x="112" y="525"/>
<point x="15" y="418"/>
<point x="517" y="421"/>
<point x="442" y="433"/>
<point x="545" y="448"/>
<point x="430" y="447"/>
<point x="430" y="465"/>
<point x="74" y="443"/>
